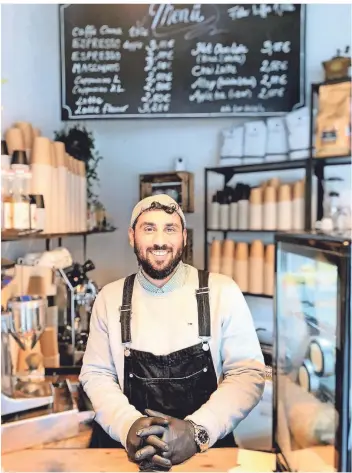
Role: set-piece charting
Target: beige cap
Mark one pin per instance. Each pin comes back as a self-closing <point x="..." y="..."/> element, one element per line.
<point x="162" y="199"/>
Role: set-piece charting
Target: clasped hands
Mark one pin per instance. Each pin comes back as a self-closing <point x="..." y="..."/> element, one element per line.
<point x="160" y="440"/>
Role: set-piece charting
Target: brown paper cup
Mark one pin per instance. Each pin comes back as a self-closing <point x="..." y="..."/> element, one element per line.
<point x="42" y="151"/>
<point x="241" y="252"/>
<point x="59" y="149"/>
<point x="270" y="194"/>
<point x="27" y="131"/>
<point x="284" y="193"/>
<point x="257" y="249"/>
<point x="14" y="140"/>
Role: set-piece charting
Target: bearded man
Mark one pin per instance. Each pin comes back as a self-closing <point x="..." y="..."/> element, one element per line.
<point x="173" y="363"/>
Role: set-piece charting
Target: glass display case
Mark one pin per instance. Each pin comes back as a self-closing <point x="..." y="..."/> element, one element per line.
<point x="312" y="353"/>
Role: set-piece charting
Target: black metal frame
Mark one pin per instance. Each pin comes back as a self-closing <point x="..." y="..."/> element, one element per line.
<point x="341" y="247"/>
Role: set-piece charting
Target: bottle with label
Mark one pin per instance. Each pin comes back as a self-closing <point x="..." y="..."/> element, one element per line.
<point x="7" y="199"/>
<point x="21" y="203"/>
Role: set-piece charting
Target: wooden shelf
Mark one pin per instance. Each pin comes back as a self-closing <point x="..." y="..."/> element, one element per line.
<point x="11" y="235"/>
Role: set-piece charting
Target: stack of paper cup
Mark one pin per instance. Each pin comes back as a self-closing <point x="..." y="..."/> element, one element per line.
<point x="41" y="168"/>
<point x="298" y="206"/>
<point x="256" y="267"/>
<point x="215" y="256"/>
<point x="54" y="191"/>
<point x="241" y="266"/>
<point x="60" y="154"/>
<point x="284" y="208"/>
<point x="228" y="253"/>
<point x="269" y="208"/>
<point x="269" y="270"/>
<point x="255" y="209"/>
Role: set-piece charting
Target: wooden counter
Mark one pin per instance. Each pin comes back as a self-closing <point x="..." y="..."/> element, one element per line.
<point x="115" y="460"/>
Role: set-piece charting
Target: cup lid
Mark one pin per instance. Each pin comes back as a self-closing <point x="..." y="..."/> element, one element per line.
<point x="4" y="149"/>
<point x="19" y="157"/>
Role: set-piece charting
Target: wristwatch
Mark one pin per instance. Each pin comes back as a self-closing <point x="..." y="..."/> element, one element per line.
<point x="201" y="437"/>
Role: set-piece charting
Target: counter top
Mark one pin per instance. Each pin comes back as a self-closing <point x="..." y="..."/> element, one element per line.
<point x="115" y="460"/>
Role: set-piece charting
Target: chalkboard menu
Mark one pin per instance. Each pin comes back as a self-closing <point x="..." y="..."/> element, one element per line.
<point x="192" y="60"/>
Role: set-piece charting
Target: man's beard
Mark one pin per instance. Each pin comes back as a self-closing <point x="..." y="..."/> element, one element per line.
<point x="153" y="272"/>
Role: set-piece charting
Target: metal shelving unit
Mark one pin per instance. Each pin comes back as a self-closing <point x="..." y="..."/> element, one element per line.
<point x="230" y="171"/>
<point x="312" y="166"/>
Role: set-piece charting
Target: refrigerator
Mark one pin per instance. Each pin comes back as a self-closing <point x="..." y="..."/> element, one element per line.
<point x="312" y="396"/>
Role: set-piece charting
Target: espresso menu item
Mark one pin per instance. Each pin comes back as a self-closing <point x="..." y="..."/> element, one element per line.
<point x="192" y="60"/>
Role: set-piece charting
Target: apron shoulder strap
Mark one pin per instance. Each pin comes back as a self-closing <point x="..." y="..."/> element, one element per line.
<point x="126" y="309"/>
<point x="202" y="295"/>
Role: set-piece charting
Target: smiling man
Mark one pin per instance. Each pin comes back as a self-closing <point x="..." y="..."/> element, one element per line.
<point x="173" y="363"/>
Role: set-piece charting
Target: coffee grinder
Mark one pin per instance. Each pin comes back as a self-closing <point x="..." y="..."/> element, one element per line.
<point x="24" y="321"/>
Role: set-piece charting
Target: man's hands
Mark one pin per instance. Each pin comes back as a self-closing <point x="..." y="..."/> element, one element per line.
<point x="178" y="436"/>
<point x="152" y="427"/>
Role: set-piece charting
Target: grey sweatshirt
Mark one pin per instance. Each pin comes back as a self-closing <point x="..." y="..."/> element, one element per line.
<point x="164" y="321"/>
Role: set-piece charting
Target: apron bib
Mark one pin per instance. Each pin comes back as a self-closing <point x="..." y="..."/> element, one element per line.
<point x="177" y="384"/>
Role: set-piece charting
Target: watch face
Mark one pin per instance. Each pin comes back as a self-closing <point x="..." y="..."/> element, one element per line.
<point x="203" y="436"/>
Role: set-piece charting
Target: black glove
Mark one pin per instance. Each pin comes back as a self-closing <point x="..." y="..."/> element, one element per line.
<point x="179" y="436"/>
<point x="152" y="427"/>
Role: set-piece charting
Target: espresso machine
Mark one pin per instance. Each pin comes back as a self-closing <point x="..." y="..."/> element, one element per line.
<point x="24" y="322"/>
<point x="78" y="293"/>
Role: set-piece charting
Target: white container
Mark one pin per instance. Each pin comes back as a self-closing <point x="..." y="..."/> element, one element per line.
<point x="234" y="215"/>
<point x="224" y="213"/>
<point x="243" y="214"/>
<point x="214" y="214"/>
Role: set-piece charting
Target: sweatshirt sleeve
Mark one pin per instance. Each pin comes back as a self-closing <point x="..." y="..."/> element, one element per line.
<point x="243" y="369"/>
<point x="99" y="379"/>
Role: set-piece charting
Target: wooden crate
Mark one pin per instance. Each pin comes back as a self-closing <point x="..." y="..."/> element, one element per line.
<point x="179" y="185"/>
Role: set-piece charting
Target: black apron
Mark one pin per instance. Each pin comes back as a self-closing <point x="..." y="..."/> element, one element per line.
<point x="177" y="384"/>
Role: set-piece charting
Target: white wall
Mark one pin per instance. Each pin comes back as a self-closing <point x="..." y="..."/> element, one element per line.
<point x="30" y="63"/>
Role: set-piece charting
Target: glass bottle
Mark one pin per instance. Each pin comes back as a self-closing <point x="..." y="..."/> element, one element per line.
<point x="7" y="199"/>
<point x="21" y="204"/>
